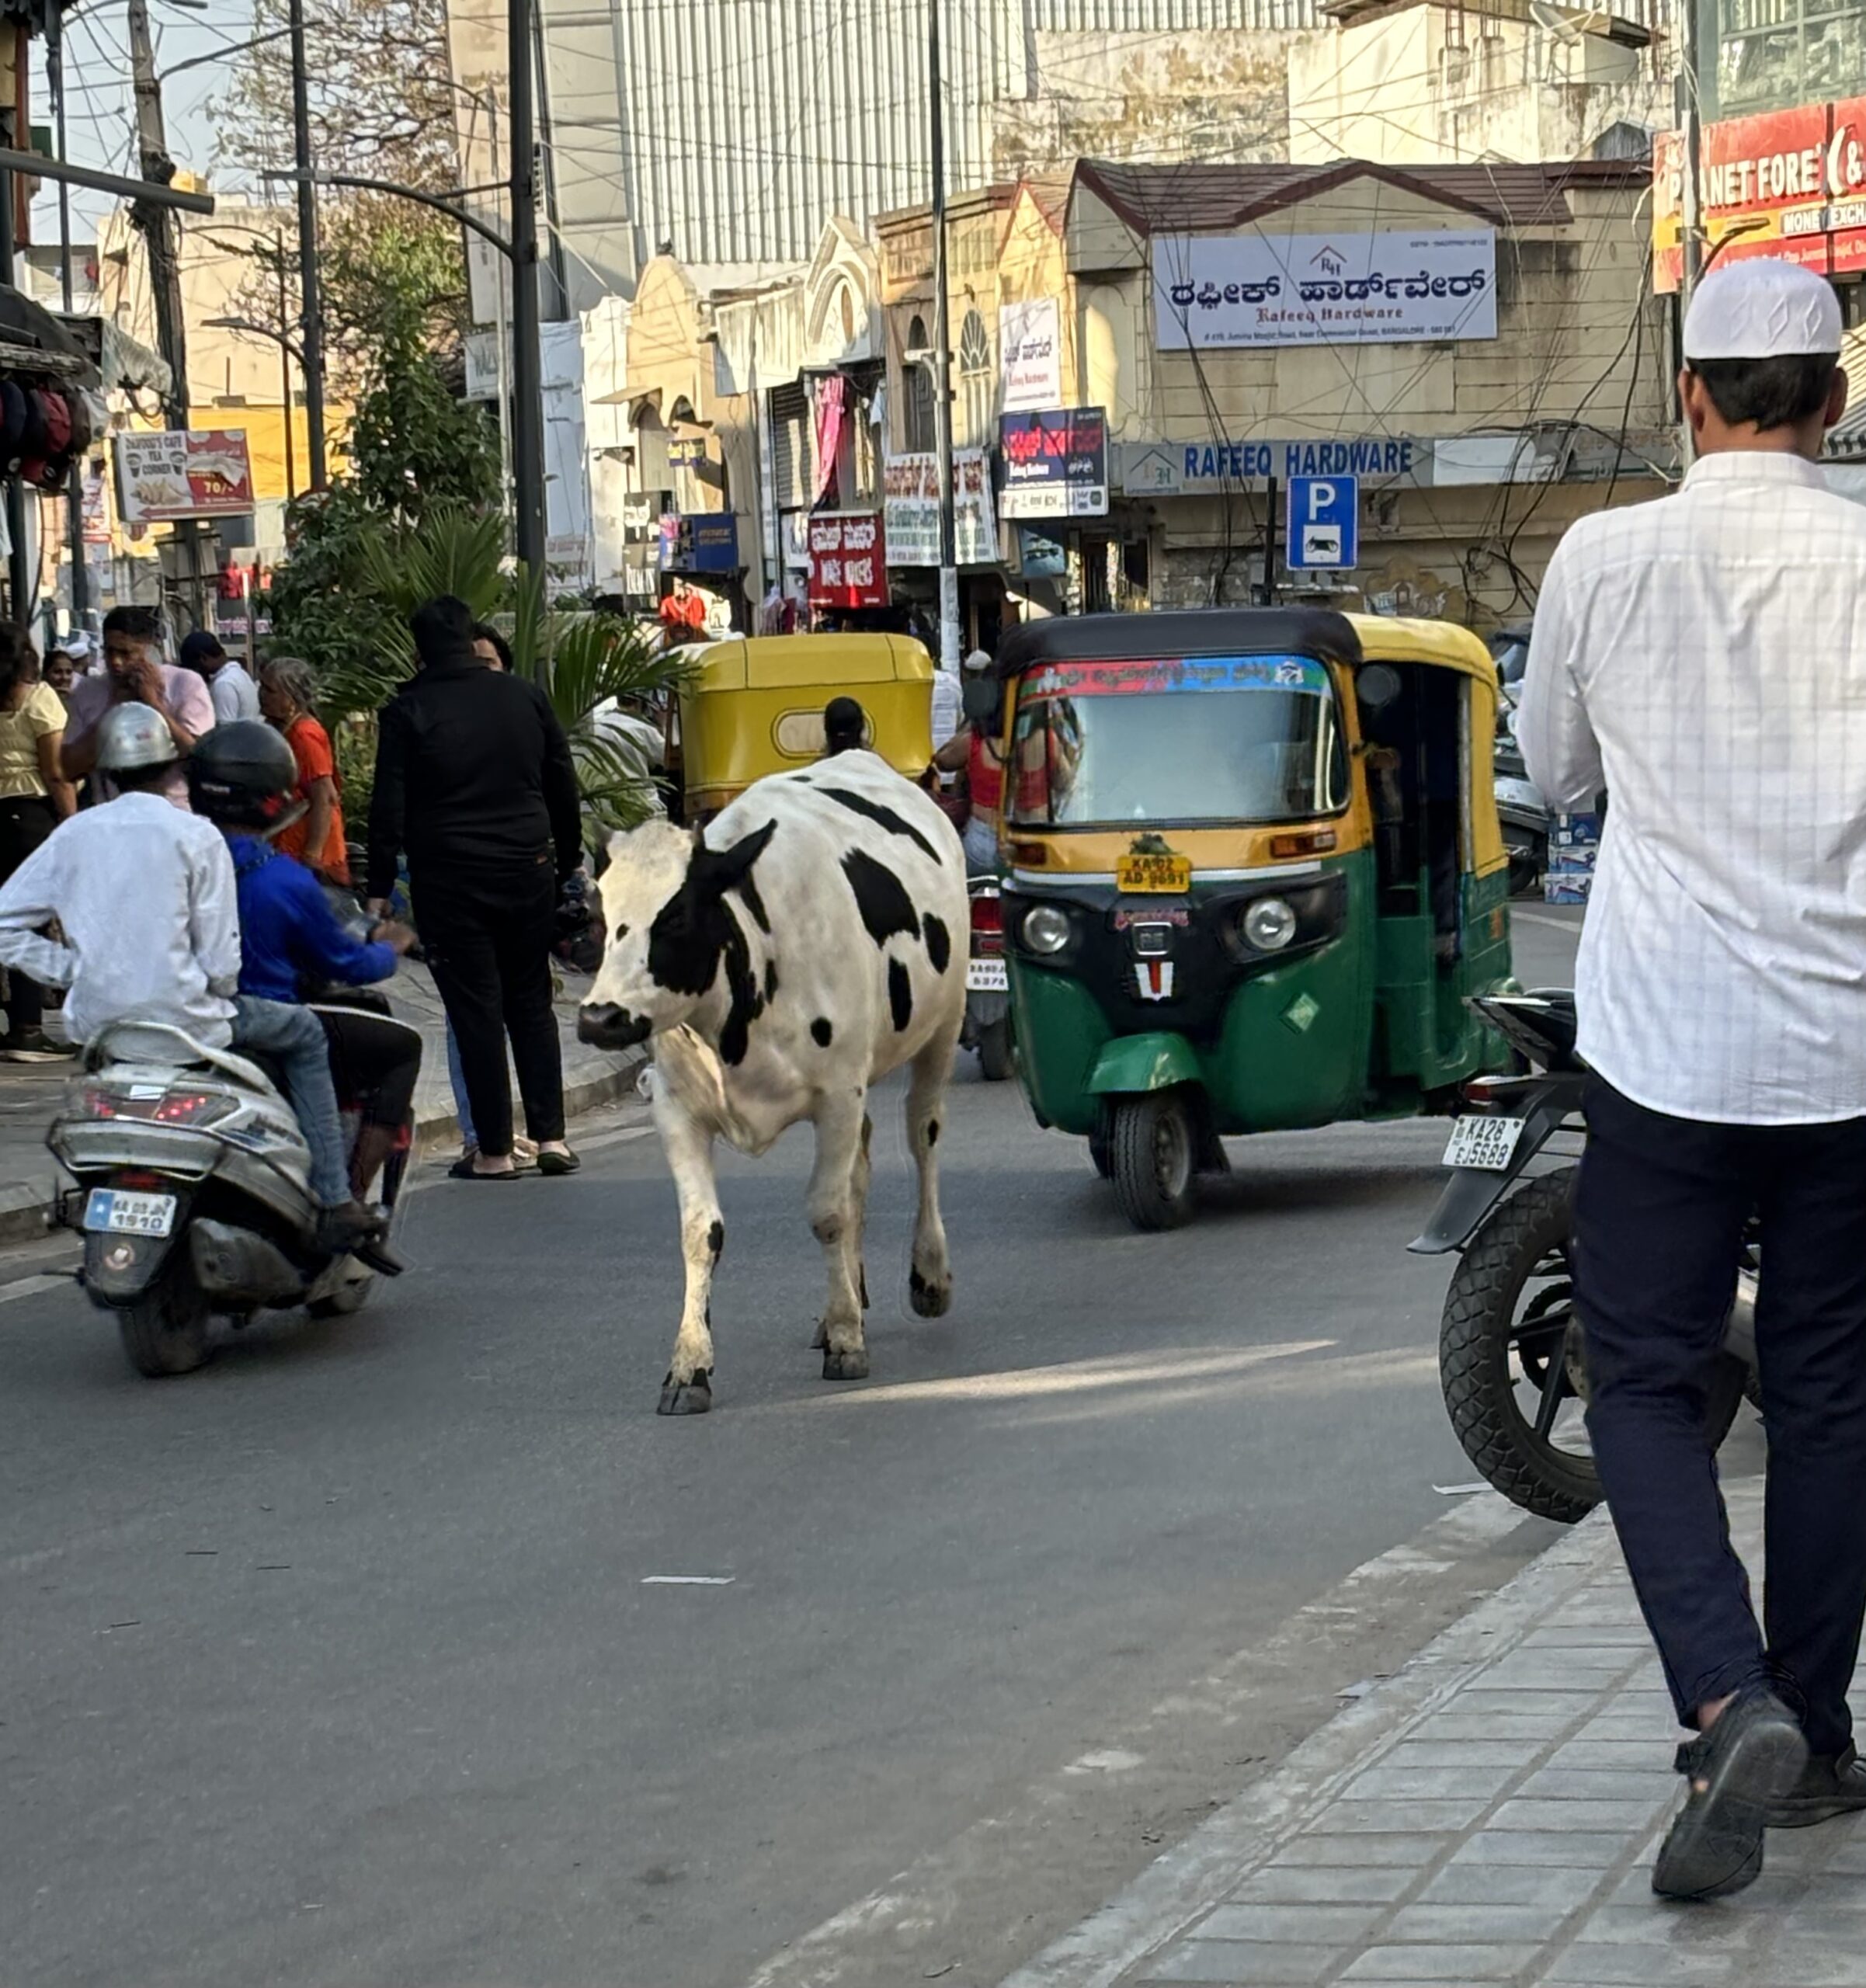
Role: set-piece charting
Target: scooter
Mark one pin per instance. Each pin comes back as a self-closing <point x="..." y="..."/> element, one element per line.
<point x="193" y="1193"/>
<point x="987" y="989"/>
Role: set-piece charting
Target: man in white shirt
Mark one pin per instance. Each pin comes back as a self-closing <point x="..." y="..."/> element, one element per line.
<point x="1704" y="659"/>
<point x="146" y="897"/>
<point x="234" y="693"/>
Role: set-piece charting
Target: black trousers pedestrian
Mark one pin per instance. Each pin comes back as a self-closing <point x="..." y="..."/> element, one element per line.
<point x="1659" y="1220"/>
<point x="487" y="934"/>
<point x="26" y="820"/>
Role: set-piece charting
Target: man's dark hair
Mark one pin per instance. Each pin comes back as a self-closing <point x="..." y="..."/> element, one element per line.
<point x="844" y="724"/>
<point x="484" y="631"/>
<point x="442" y="629"/>
<point x="201" y="645"/>
<point x="141" y="624"/>
<point x="1772" y="393"/>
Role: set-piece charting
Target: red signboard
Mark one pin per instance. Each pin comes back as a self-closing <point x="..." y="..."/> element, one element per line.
<point x="848" y="567"/>
<point x="1790" y="183"/>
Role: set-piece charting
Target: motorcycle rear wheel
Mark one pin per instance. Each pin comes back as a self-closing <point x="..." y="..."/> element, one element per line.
<point x="166" y="1332"/>
<point x="1486" y="1332"/>
<point x="995" y="1062"/>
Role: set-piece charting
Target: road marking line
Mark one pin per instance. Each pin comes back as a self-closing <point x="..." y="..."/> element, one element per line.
<point x="30" y="1286"/>
<point x="1120" y="1370"/>
<point x="688" y="1580"/>
<point x="1542" y="918"/>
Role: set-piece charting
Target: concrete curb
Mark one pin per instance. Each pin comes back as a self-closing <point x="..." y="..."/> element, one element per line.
<point x="26" y="1206"/>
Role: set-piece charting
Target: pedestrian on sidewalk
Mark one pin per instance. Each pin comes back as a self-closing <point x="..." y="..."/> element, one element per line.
<point x="1704" y="657"/>
<point x="288" y="686"/>
<point x="134" y="673"/>
<point x="34" y="799"/>
<point x="474" y="780"/>
<point x="233" y="691"/>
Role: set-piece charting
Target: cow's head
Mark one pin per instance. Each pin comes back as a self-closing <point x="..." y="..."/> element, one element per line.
<point x="666" y="926"/>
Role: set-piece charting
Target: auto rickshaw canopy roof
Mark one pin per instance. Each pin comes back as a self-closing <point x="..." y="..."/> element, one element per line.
<point x="792" y="662"/>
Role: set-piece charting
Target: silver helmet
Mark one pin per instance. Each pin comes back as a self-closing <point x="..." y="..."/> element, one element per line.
<point x="135" y="735"/>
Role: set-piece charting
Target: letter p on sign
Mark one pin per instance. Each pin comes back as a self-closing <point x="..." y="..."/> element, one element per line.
<point x="1324" y="522"/>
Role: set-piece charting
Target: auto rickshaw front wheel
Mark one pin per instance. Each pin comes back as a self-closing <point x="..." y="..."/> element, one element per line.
<point x="1152" y="1153"/>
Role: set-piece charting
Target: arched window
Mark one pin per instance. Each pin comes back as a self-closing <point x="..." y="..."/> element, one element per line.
<point x="974" y="380"/>
<point x="917" y="389"/>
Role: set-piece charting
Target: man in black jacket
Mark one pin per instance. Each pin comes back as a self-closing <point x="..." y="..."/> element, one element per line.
<point x="475" y="784"/>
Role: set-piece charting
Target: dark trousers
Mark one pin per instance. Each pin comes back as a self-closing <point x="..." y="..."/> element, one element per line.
<point x="488" y="936"/>
<point x="26" y="820"/>
<point x="1659" y="1218"/>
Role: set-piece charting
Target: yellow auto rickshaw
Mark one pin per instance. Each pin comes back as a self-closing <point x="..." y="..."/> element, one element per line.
<point x="1254" y="870"/>
<point x="754" y="705"/>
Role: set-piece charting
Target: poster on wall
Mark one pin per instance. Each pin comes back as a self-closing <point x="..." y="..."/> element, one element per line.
<point x="847" y="566"/>
<point x="1055" y="463"/>
<point x="1393" y="288"/>
<point x="1030" y="354"/>
<point x="911" y="511"/>
<point x="168" y="473"/>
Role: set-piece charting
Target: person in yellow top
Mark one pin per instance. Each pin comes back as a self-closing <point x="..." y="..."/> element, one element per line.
<point x="34" y="799"/>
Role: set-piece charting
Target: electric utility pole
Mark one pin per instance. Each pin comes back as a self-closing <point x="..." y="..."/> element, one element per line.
<point x="310" y="304"/>
<point x="73" y="488"/>
<point x="527" y="362"/>
<point x="943" y="357"/>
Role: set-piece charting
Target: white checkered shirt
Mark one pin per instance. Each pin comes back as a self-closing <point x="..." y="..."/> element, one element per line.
<point x="1703" y="657"/>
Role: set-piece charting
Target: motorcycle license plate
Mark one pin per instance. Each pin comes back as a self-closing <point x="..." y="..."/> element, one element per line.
<point x="112" y="1209"/>
<point x="1485" y="1142"/>
<point x="987" y="976"/>
<point x="1157" y="874"/>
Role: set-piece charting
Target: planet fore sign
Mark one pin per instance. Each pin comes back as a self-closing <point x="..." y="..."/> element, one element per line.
<point x="1791" y="183"/>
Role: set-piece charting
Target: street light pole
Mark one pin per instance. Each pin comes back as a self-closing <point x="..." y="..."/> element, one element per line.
<point x="943" y="357"/>
<point x="73" y="488"/>
<point x="527" y="372"/>
<point x="309" y="303"/>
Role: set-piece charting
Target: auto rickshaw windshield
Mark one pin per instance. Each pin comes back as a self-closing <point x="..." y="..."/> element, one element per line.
<point x="1206" y="738"/>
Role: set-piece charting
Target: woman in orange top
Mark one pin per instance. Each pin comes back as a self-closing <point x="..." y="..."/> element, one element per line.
<point x="316" y="838"/>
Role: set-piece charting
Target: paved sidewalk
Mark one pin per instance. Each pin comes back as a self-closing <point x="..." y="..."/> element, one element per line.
<point x="1488" y="1815"/>
<point x="29" y="1093"/>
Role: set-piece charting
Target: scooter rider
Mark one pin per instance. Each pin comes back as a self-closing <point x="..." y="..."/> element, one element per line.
<point x="242" y="776"/>
<point x="145" y="894"/>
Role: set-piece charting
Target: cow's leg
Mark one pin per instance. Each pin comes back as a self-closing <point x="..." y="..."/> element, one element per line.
<point x="688" y="1389"/>
<point x="835" y="1222"/>
<point x="929" y="1283"/>
<point x="863" y="1173"/>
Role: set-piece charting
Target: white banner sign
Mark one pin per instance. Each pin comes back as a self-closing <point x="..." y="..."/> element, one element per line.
<point x="911" y="504"/>
<point x="1030" y="354"/>
<point x="1281" y="290"/>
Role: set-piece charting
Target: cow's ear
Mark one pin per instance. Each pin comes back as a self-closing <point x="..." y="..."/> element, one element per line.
<point x="720" y="870"/>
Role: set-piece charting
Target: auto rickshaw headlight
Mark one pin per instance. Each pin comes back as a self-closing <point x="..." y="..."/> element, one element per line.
<point x="1269" y="924"/>
<point x="1046" y="930"/>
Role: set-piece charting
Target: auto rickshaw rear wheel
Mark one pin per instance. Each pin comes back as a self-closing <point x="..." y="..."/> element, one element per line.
<point x="1153" y="1153"/>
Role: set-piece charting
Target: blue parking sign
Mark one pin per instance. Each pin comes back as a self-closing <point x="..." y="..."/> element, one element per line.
<point x="1324" y="521"/>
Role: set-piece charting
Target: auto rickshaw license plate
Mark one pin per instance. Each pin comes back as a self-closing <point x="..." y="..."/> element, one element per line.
<point x="1486" y="1143"/>
<point x="1162" y="874"/>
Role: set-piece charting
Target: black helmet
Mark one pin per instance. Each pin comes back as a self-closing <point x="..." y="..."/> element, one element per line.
<point x="241" y="774"/>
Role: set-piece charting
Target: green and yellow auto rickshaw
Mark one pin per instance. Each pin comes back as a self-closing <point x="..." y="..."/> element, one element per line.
<point x="1254" y="870"/>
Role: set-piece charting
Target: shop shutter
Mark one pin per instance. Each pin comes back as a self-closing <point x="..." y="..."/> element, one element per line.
<point x="790" y="446"/>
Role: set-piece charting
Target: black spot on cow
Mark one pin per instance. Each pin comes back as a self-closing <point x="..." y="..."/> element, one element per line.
<point x="900" y="994"/>
<point x="695" y="931"/>
<point x="878" y="811"/>
<point x="748" y="889"/>
<point x="715" y="1237"/>
<point x="880" y="897"/>
<point x="770" y="981"/>
<point x="820" y="1029"/>
<point x="938" y="941"/>
<point x="933" y="1132"/>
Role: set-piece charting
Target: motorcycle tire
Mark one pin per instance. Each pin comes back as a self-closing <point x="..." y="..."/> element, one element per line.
<point x="166" y="1332"/>
<point x="1523" y="1231"/>
<point x="994" y="1058"/>
<point x="1528" y="859"/>
<point x="1153" y="1152"/>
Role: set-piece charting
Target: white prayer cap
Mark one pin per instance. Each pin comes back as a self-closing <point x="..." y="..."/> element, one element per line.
<point x="1761" y="308"/>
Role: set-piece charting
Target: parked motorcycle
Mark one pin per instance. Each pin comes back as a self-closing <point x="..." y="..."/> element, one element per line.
<point x="987" y="989"/>
<point x="1512" y="1358"/>
<point x="193" y="1193"/>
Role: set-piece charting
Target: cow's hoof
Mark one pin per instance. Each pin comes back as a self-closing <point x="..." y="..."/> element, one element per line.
<point x="850" y="1366"/>
<point x="929" y="1300"/>
<point x="821" y="1339"/>
<point x="692" y="1397"/>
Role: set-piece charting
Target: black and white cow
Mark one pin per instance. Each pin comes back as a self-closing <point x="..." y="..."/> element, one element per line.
<point x="813" y="939"/>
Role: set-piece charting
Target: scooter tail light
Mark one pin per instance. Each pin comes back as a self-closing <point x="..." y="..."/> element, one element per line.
<point x="987" y="914"/>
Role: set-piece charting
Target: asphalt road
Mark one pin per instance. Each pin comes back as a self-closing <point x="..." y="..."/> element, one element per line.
<point x="352" y="1660"/>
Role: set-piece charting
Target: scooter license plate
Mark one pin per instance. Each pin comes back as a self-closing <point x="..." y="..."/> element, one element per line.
<point x="1485" y="1142"/>
<point x="987" y="976"/>
<point x="112" y="1209"/>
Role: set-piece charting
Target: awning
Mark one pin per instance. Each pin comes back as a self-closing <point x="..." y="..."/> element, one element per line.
<point x="32" y="340"/>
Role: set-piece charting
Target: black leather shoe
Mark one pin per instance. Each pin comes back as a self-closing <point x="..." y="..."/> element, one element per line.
<point x="1747" y="1762"/>
<point x="1830" y="1785"/>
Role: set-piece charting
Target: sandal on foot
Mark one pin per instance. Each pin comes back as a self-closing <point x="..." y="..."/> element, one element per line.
<point x="557" y="1163"/>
